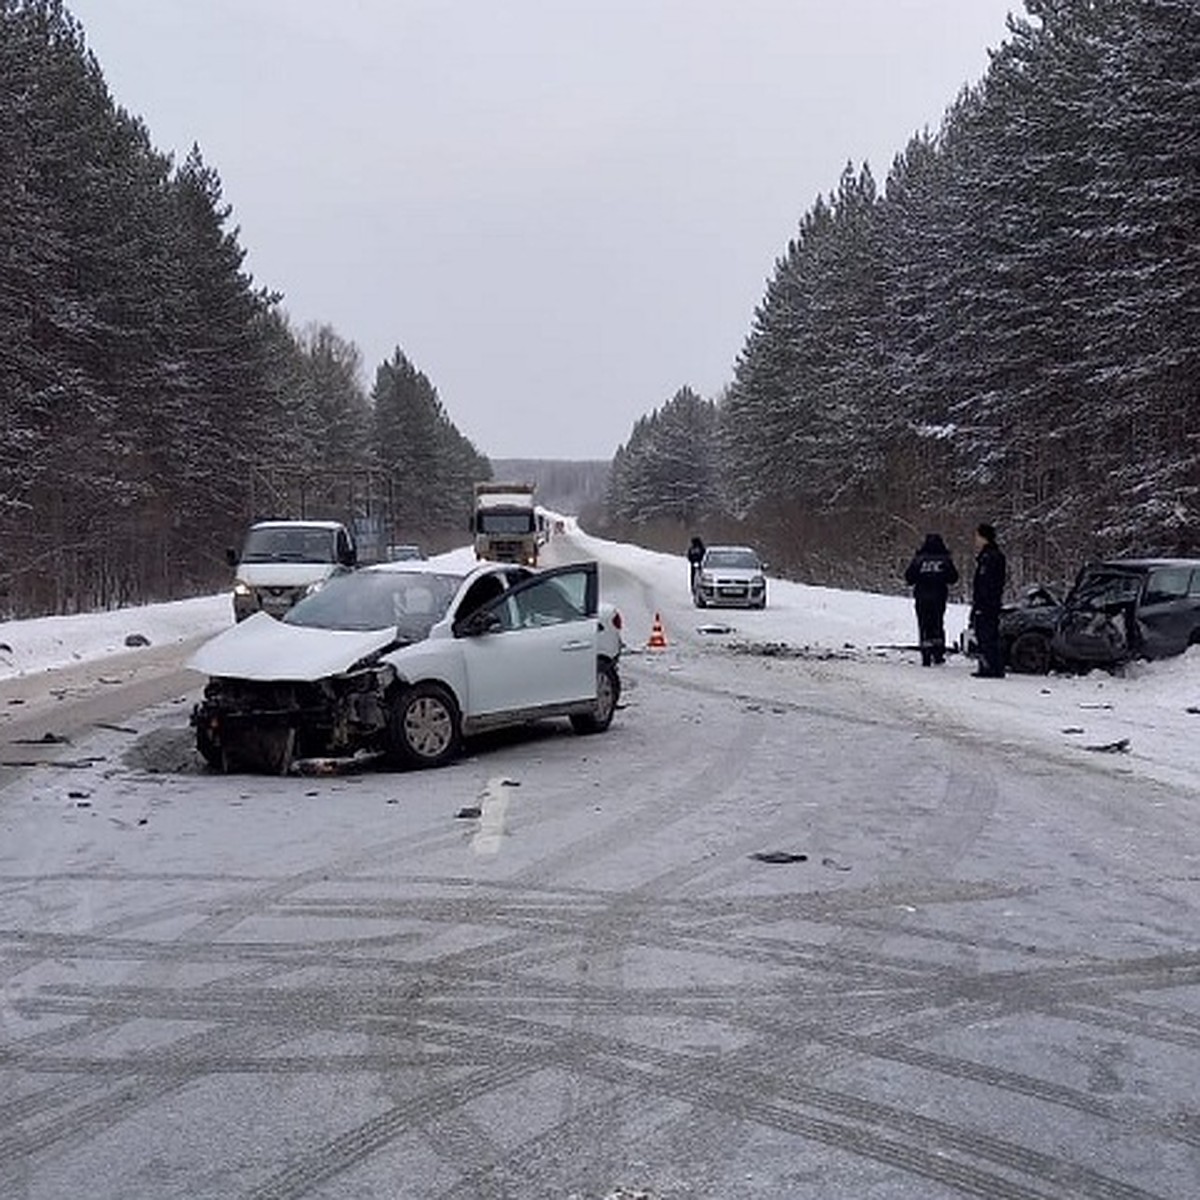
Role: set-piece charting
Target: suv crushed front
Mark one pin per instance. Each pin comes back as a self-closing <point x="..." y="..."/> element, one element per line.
<point x="1117" y="610"/>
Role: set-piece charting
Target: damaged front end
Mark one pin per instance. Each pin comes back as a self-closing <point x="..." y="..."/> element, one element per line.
<point x="270" y="725"/>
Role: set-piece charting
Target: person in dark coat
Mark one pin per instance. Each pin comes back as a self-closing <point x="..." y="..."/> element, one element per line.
<point x="931" y="574"/>
<point x="987" y="596"/>
<point x="695" y="555"/>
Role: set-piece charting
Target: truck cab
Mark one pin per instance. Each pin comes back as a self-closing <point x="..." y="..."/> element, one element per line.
<point x="505" y="523"/>
<point x="281" y="562"/>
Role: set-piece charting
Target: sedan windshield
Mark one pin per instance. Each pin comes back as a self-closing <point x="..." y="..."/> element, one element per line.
<point x="411" y="601"/>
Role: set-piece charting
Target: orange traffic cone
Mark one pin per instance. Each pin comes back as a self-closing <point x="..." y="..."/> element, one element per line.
<point x="658" y="637"/>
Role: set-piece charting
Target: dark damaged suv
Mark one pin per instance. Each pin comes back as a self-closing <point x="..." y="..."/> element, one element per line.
<point x="1116" y="610"/>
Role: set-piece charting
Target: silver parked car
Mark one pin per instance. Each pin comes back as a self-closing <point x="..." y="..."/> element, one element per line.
<point x="403" y="660"/>
<point x="730" y="575"/>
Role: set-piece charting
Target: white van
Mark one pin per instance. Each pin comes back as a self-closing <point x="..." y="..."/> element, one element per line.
<point x="284" y="561"/>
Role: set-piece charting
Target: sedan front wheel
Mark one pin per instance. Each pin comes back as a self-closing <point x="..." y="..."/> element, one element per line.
<point x="425" y="727"/>
<point x="1030" y="654"/>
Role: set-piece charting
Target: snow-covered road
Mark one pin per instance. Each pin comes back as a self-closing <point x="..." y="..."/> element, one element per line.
<point x="809" y="922"/>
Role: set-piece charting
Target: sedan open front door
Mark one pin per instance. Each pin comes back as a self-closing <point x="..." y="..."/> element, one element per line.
<point x="533" y="648"/>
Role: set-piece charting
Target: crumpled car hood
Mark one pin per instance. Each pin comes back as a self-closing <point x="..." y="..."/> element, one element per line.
<point x="264" y="649"/>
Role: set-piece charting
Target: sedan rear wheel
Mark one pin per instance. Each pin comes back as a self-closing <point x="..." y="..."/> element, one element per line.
<point x="425" y="727"/>
<point x="608" y="692"/>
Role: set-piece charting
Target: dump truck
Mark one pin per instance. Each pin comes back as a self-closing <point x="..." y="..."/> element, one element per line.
<point x="505" y="523"/>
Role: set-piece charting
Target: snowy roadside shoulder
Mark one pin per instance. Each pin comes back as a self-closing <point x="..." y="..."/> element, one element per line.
<point x="1143" y="721"/>
<point x="45" y="643"/>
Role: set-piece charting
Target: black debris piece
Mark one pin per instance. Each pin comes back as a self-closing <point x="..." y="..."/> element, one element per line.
<point x="779" y="856"/>
<point x="137" y="639"/>
<point x="1117" y="747"/>
<point x="469" y="810"/>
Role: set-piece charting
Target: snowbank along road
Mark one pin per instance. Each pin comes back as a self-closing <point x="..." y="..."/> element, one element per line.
<point x="808" y="921"/>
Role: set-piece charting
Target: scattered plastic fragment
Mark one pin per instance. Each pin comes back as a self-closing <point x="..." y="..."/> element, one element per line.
<point x="1118" y="747"/>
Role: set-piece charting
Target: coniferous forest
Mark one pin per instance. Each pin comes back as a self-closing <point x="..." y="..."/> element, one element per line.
<point x="153" y="398"/>
<point x="1007" y="330"/>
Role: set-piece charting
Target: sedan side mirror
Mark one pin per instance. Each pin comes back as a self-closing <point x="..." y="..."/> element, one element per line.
<point x="477" y="624"/>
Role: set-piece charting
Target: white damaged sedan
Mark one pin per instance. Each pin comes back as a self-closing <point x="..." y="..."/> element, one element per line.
<point x="403" y="661"/>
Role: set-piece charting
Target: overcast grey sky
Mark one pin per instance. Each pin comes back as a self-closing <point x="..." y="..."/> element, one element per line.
<point x="561" y="210"/>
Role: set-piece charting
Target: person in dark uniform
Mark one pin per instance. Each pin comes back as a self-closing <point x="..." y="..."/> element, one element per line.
<point x="987" y="594"/>
<point x="695" y="555"/>
<point x="931" y="574"/>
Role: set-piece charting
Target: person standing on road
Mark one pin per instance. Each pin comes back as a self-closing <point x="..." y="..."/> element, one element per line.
<point x="987" y="594"/>
<point x="931" y="574"/>
<point x="695" y="556"/>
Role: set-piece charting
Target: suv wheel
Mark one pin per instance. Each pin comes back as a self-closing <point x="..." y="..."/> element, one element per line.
<point x="425" y="727"/>
<point x="1030" y="654"/>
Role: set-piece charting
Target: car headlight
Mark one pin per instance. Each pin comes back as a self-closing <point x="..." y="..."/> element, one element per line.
<point x="758" y="581"/>
<point x="314" y="587"/>
<point x="240" y="588"/>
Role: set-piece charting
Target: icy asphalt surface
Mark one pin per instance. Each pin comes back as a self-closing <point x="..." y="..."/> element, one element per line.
<point x="966" y="963"/>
